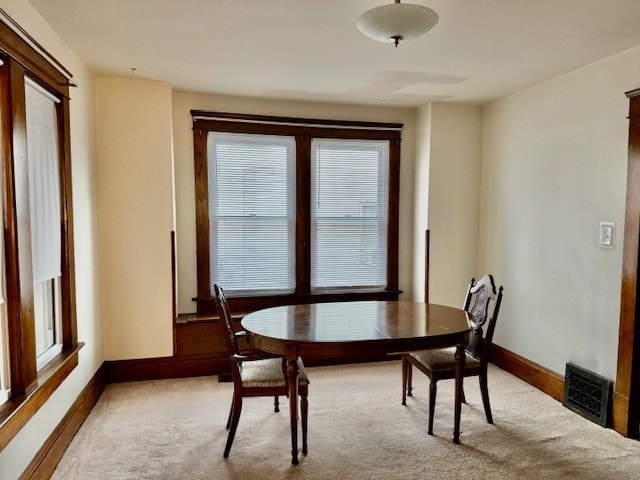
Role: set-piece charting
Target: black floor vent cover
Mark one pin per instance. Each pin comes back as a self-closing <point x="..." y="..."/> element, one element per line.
<point x="588" y="394"/>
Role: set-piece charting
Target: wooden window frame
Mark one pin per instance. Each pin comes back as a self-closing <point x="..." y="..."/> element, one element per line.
<point x="30" y="388"/>
<point x="304" y="130"/>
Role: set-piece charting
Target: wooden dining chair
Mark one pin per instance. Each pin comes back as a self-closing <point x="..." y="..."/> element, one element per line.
<point x="256" y="374"/>
<point x="482" y="302"/>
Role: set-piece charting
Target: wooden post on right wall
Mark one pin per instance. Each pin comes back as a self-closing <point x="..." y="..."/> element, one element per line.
<point x="426" y="266"/>
<point x="626" y="395"/>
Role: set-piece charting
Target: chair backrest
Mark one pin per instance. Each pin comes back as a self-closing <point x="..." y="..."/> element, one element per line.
<point x="482" y="302"/>
<point x="226" y="323"/>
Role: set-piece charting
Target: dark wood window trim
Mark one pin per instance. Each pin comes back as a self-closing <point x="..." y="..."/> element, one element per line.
<point x="304" y="130"/>
<point x="626" y="395"/>
<point x="30" y="387"/>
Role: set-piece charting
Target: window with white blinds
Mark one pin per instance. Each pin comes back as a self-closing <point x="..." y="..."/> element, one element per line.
<point x="44" y="182"/>
<point x="349" y="213"/>
<point x="46" y="233"/>
<point x="295" y="210"/>
<point x="38" y="327"/>
<point x="251" y="181"/>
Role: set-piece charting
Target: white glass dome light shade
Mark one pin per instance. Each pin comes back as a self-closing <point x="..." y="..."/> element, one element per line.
<point x="397" y="21"/>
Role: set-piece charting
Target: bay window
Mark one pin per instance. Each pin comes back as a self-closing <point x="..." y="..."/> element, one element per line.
<point x="293" y="210"/>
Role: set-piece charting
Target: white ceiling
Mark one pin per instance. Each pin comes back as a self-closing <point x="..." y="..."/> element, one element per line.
<point x="311" y="49"/>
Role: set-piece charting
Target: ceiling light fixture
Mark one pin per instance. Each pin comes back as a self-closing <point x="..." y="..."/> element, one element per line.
<point x="398" y="21"/>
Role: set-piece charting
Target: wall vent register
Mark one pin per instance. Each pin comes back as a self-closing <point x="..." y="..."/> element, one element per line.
<point x="588" y="394"/>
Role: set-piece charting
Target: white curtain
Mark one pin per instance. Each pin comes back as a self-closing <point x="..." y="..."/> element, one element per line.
<point x="44" y="182"/>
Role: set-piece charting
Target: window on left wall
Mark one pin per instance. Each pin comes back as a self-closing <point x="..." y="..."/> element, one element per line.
<point x="38" y="334"/>
<point x="44" y="209"/>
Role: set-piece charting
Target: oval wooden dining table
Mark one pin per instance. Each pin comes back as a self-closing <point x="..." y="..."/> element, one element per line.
<point x="347" y="329"/>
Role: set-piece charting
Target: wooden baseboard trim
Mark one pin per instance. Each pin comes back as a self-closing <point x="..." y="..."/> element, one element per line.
<point x="135" y="370"/>
<point x="47" y="458"/>
<point x="159" y="368"/>
<point x="543" y="379"/>
<point x="620" y="417"/>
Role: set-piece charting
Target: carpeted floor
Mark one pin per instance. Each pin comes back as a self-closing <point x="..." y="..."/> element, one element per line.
<point x="175" y="429"/>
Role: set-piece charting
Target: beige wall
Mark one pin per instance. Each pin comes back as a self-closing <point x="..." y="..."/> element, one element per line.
<point x="455" y="157"/>
<point x="185" y="200"/>
<point x="136" y="216"/>
<point x="554" y="167"/>
<point x="421" y="197"/>
<point x="15" y="457"/>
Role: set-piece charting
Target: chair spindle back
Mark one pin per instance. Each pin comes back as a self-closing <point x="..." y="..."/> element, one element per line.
<point x="226" y="322"/>
<point x="482" y="302"/>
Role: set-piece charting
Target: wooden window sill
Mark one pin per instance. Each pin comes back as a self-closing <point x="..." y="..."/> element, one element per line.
<point x="250" y="302"/>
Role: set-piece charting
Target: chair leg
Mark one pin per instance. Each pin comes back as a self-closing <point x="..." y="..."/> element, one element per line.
<point x="405" y="379"/>
<point x="464" y="399"/>
<point x="409" y="379"/>
<point x="230" y="412"/>
<point x="276" y="403"/>
<point x="237" y="408"/>
<point x="484" y="390"/>
<point x="304" y="411"/>
<point x="432" y="405"/>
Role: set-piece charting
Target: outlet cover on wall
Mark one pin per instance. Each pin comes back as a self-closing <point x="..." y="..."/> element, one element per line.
<point x="607" y="235"/>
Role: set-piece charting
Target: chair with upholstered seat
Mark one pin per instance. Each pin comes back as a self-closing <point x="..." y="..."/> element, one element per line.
<point x="482" y="302"/>
<point x="256" y="374"/>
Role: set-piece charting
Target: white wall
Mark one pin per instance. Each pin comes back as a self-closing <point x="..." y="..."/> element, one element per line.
<point x="15" y="457"/>
<point x="554" y="167"/>
<point x="135" y="158"/>
<point x="185" y="196"/>
<point x="455" y="157"/>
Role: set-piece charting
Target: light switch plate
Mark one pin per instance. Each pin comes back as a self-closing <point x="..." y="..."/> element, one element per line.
<point x="607" y="235"/>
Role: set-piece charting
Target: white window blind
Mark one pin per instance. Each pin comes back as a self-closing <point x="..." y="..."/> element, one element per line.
<point x="252" y="211"/>
<point x="349" y="213"/>
<point x="44" y="182"/>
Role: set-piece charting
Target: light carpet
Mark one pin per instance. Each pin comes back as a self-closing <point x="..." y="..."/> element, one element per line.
<point x="358" y="429"/>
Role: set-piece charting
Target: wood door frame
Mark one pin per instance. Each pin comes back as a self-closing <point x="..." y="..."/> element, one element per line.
<point x="626" y="396"/>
